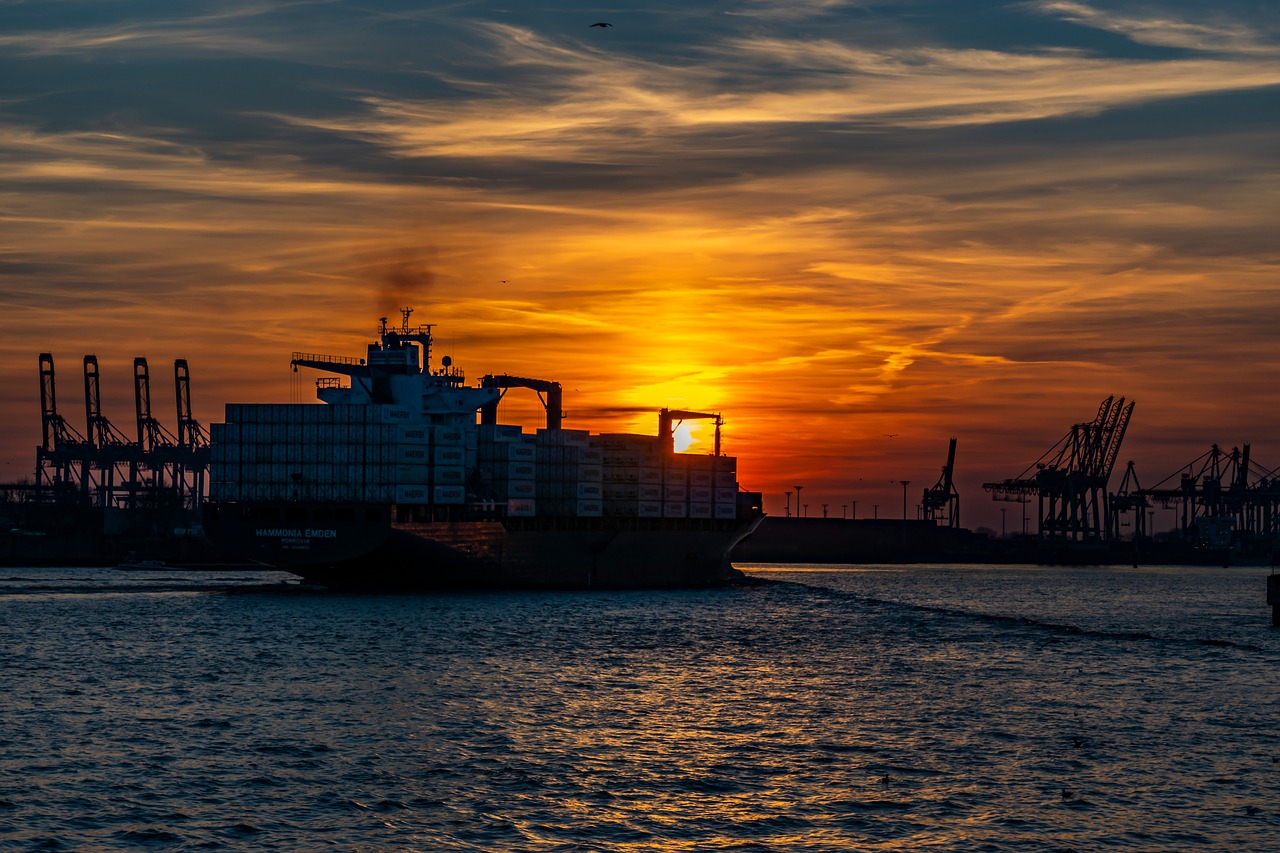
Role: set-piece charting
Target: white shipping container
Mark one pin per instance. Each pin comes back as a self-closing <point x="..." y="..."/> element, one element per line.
<point x="521" y="470"/>
<point x="590" y="491"/>
<point x="413" y="434"/>
<point x="449" y="494"/>
<point x="590" y="509"/>
<point x="413" y="454"/>
<point x="453" y="475"/>
<point x="700" y="510"/>
<point x="412" y="495"/>
<point x="523" y="452"/>
<point x="727" y="496"/>
<point x="649" y="509"/>
<point x="650" y="492"/>
<point x="675" y="493"/>
<point x="651" y="475"/>
<point x="702" y="494"/>
<point x="726" y="479"/>
<point x="726" y="510"/>
<point x="448" y="435"/>
<point x="507" y="432"/>
<point x="700" y="478"/>
<point x="675" y="509"/>
<point x="521" y="489"/>
<point x="727" y="463"/>
<point x="394" y="415"/>
<point x="445" y="456"/>
<point x="675" y="476"/>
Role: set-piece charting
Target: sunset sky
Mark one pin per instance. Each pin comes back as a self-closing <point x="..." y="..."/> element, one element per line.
<point x="834" y="222"/>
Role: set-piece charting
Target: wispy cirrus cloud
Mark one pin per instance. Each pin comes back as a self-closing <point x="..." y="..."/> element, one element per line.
<point x="1215" y="33"/>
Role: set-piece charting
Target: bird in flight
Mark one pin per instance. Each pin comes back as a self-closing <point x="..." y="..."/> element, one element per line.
<point x="890" y="435"/>
<point x="601" y="24"/>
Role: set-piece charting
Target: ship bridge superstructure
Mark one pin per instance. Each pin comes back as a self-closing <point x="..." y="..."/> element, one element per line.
<point x="397" y="370"/>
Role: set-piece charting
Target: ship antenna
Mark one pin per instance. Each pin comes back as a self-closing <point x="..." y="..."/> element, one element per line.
<point x="405" y="312"/>
<point x="382" y="328"/>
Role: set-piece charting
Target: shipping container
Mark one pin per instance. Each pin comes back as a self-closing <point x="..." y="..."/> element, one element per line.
<point x="522" y="507"/>
<point x="452" y="475"/>
<point x="413" y="495"/>
<point x="700" y="510"/>
<point x="449" y="494"/>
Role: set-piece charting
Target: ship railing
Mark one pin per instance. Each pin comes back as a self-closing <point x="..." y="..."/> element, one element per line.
<point x="324" y="359"/>
<point x="328" y="382"/>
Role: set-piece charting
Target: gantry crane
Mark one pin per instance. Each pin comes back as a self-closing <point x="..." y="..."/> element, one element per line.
<point x="159" y="450"/>
<point x="1070" y="479"/>
<point x="113" y="456"/>
<point x="942" y="502"/>
<point x="62" y="459"/>
<point x="193" y="441"/>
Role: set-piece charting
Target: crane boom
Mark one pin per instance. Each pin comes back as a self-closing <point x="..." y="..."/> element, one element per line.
<point x="553" y="402"/>
<point x="668" y="417"/>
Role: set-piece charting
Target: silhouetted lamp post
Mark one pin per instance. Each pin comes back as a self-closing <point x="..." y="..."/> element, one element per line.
<point x="798" y="490"/>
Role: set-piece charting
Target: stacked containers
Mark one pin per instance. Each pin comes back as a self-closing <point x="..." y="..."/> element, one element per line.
<point x="726" y="487"/>
<point x="448" y="465"/>
<point x="675" y="487"/>
<point x="281" y="452"/>
<point x="569" y="474"/>
<point x="510" y="462"/>
<point x="631" y="467"/>
<point x="701" y="489"/>
<point x="329" y="454"/>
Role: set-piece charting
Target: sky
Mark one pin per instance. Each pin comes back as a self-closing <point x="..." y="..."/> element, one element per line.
<point x="856" y="229"/>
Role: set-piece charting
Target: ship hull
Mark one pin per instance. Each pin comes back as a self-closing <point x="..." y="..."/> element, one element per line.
<point x="367" y="550"/>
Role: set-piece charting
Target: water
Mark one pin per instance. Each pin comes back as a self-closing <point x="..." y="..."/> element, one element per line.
<point x="907" y="708"/>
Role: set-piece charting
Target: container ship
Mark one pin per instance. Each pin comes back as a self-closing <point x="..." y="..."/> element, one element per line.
<point x="401" y="477"/>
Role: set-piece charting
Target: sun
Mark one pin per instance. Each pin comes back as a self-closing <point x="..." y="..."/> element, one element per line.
<point x="683" y="437"/>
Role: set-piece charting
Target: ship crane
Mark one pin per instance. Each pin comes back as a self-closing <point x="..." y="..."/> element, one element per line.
<point x="668" y="419"/>
<point x="552" y="403"/>
<point x="943" y="500"/>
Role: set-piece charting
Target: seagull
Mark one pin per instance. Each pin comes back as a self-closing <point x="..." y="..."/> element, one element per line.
<point x="890" y="434"/>
<point x="601" y="24"/>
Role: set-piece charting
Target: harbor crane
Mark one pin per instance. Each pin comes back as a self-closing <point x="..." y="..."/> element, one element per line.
<point x="62" y="459"/>
<point x="112" y="454"/>
<point x="1070" y="479"/>
<point x="193" y="441"/>
<point x="105" y="468"/>
<point x="942" y="502"/>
